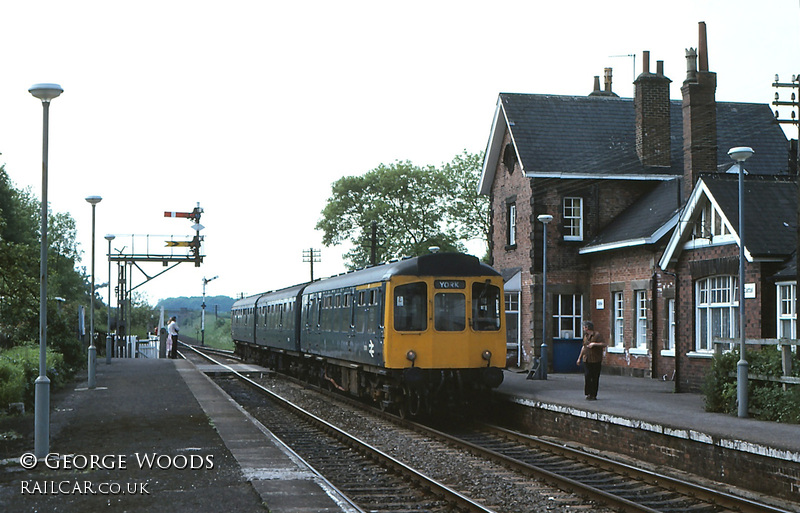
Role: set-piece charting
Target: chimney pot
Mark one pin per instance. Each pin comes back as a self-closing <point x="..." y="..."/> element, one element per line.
<point x="660" y="68"/>
<point x="608" y="79"/>
<point x="702" y="50"/>
<point x="646" y="61"/>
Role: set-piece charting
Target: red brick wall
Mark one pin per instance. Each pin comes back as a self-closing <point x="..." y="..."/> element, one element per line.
<point x="628" y="271"/>
<point x="509" y="185"/>
<point x="692" y="367"/>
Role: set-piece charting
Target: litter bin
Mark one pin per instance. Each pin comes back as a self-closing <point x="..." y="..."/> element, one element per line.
<point x="565" y="354"/>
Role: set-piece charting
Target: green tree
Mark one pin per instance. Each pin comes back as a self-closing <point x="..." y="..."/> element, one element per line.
<point x="19" y="272"/>
<point x="413" y="208"/>
<point x="469" y="208"/>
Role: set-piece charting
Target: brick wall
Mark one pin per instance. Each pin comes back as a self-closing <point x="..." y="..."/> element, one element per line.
<point x="512" y="186"/>
<point x="696" y="264"/>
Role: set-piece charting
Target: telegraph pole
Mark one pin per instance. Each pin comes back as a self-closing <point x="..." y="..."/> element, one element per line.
<point x="793" y="104"/>
<point x="312" y="255"/>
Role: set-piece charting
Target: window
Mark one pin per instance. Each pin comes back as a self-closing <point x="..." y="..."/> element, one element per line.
<point x="568" y="315"/>
<point x="641" y="319"/>
<point x="485" y="307"/>
<point x="511" y="238"/>
<point x="787" y="315"/>
<point x="449" y="311"/>
<point x="618" y="340"/>
<point x="411" y="307"/>
<point x="716" y="311"/>
<point x="573" y="218"/>
<point x="512" y="319"/>
<point x="710" y="224"/>
<point x="669" y="343"/>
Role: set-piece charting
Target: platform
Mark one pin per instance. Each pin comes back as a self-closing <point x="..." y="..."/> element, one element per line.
<point x="651" y="404"/>
<point x="156" y="435"/>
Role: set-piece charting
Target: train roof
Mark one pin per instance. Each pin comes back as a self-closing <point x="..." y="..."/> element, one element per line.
<point x="282" y="294"/>
<point x="433" y="264"/>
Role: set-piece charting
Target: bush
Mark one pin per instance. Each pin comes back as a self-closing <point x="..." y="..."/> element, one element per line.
<point x="19" y="368"/>
<point x="767" y="400"/>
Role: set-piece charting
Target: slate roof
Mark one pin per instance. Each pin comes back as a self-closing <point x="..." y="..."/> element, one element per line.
<point x="770" y="208"/>
<point x="594" y="137"/>
<point x="649" y="219"/>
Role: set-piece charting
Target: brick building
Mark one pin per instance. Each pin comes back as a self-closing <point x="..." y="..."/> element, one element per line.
<point x="617" y="174"/>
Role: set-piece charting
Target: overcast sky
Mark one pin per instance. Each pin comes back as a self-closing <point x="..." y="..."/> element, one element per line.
<point x="254" y="108"/>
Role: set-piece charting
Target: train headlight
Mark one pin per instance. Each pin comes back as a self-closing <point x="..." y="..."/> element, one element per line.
<point x="411" y="355"/>
<point x="487" y="355"/>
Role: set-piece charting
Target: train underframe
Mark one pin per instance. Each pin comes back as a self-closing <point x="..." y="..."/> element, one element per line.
<point x="411" y="392"/>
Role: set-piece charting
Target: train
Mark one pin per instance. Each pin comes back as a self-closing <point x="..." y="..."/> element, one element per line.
<point x="413" y="336"/>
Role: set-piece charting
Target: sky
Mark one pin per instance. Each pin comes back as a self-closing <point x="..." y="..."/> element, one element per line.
<point x="254" y="108"/>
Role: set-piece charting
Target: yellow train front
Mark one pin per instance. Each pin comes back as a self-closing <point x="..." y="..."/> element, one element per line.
<point x="423" y="333"/>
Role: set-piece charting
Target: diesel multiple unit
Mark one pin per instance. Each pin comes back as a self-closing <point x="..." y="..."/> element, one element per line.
<point x="412" y="335"/>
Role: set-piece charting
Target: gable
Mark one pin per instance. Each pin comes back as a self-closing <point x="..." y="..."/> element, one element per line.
<point x="711" y="217"/>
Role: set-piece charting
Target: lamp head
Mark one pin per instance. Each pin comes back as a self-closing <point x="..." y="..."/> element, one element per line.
<point x="110" y="237"/>
<point x="741" y="153"/>
<point x="545" y="218"/>
<point x="94" y="200"/>
<point x="45" y="92"/>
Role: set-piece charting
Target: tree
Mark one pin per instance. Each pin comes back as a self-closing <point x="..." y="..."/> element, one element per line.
<point x="412" y="207"/>
<point x="20" y="218"/>
<point x="467" y="206"/>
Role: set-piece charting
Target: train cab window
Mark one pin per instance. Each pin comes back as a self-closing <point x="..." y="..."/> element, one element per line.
<point x="485" y="307"/>
<point x="411" y="307"/>
<point x="450" y="311"/>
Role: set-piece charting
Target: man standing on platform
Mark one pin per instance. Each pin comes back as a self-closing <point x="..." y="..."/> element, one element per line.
<point x="172" y="331"/>
<point x="592" y="357"/>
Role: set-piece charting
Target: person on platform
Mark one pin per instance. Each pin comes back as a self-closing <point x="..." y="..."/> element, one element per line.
<point x="172" y="331"/>
<point x="592" y="357"/>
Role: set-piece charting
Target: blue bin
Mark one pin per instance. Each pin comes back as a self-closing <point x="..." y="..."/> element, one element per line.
<point x="565" y="353"/>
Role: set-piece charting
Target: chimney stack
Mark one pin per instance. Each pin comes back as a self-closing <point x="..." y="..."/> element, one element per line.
<point x="699" y="115"/>
<point x="652" y="107"/>
<point x="607" y="91"/>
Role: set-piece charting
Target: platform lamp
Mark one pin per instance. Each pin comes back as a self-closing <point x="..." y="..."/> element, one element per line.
<point x="741" y="154"/>
<point x="93" y="200"/>
<point x="545" y="220"/>
<point x="109" y="336"/>
<point x="41" y="444"/>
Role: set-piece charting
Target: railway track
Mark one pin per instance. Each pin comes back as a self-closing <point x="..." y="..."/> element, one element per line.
<point x="372" y="479"/>
<point x="616" y="485"/>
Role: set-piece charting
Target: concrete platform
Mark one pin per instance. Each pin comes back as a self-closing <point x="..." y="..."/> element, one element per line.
<point x="163" y="438"/>
<point x="644" y="419"/>
<point x="651" y="404"/>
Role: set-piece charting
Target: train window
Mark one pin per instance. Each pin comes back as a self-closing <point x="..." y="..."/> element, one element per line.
<point x="411" y="307"/>
<point x="485" y="307"/>
<point x="449" y="312"/>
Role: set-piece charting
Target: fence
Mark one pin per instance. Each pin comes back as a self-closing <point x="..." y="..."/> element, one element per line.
<point x="784" y="344"/>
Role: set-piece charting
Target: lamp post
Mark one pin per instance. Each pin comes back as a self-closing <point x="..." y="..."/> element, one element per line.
<point x="45" y="93"/>
<point x="93" y="200"/>
<point x="203" y="311"/>
<point x="545" y="220"/>
<point x="109" y="336"/>
<point x="741" y="154"/>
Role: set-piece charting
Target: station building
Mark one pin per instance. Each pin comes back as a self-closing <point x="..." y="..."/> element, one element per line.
<point x="644" y="237"/>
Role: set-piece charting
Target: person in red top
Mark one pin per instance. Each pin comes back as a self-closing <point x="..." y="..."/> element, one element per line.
<point x="592" y="357"/>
